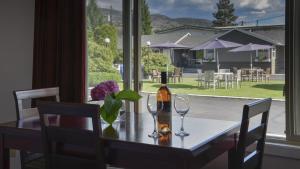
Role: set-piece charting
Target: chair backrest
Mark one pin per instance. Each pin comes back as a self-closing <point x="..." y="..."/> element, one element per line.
<point x="155" y="72"/>
<point x="177" y="71"/>
<point x="256" y="135"/>
<point x="199" y="71"/>
<point x="209" y="75"/>
<point x="234" y="70"/>
<point x="200" y="74"/>
<point x="239" y="74"/>
<point x="23" y="95"/>
<point x="87" y="148"/>
<point x="268" y="71"/>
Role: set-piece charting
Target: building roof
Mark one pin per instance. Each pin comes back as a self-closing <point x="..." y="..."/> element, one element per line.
<point x="273" y="34"/>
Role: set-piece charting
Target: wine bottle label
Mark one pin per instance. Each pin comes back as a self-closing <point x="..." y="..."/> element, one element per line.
<point x="165" y="119"/>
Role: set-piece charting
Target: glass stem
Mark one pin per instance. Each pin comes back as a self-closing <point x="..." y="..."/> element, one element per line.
<point x="155" y="126"/>
<point x="182" y="129"/>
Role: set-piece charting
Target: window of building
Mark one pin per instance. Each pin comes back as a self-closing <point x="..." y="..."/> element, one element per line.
<point x="209" y="55"/>
<point x="263" y="55"/>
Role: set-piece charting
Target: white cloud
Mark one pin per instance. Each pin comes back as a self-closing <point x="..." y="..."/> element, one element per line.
<point x="256" y="4"/>
<point x="258" y="13"/>
<point x="262" y="12"/>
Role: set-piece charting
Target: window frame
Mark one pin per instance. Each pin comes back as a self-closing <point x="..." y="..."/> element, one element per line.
<point x="291" y="66"/>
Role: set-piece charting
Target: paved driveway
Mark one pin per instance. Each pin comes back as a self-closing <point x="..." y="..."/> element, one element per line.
<point x="231" y="109"/>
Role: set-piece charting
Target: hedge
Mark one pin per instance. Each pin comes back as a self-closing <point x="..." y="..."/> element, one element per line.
<point x="98" y="77"/>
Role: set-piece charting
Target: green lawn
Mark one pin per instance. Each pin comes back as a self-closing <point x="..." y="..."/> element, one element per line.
<point x="271" y="89"/>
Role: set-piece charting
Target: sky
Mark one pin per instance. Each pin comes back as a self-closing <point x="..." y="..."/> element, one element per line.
<point x="247" y="10"/>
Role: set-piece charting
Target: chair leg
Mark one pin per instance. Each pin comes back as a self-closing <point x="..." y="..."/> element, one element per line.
<point x="231" y="159"/>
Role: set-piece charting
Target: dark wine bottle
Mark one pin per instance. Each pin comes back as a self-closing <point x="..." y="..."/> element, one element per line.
<point x="165" y="114"/>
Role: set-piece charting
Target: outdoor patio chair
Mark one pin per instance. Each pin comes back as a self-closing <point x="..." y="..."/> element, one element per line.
<point x="200" y="78"/>
<point x="177" y="74"/>
<point x="267" y="75"/>
<point x="234" y="70"/>
<point x="238" y="78"/>
<point x="155" y="75"/>
<point x="210" y="79"/>
<point x="245" y="74"/>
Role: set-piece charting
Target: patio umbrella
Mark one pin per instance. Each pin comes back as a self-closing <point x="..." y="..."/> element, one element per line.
<point x="251" y="47"/>
<point x="217" y="44"/>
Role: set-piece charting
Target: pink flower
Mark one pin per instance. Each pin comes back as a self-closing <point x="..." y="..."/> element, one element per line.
<point x="103" y="89"/>
<point x="112" y="86"/>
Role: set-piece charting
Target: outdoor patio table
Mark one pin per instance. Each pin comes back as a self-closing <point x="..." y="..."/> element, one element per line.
<point x="226" y="76"/>
<point x="128" y="145"/>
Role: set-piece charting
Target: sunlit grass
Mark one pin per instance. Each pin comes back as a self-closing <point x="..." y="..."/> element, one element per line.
<point x="273" y="89"/>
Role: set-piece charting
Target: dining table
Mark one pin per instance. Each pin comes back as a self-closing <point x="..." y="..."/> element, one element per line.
<point x="127" y="144"/>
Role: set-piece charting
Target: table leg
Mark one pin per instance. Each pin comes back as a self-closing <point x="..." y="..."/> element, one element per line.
<point x="226" y="82"/>
<point x="4" y="155"/>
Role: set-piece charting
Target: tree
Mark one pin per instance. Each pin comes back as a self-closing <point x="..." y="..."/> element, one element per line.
<point x="146" y="19"/>
<point x="225" y="14"/>
<point x="100" y="58"/>
<point x="94" y="15"/>
<point x="107" y="31"/>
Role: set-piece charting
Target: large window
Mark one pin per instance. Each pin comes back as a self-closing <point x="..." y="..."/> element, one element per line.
<point x="196" y="23"/>
<point x="104" y="40"/>
<point x="110" y="38"/>
<point x="193" y="23"/>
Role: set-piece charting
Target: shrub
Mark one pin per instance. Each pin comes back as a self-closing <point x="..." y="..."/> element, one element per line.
<point x="158" y="61"/>
<point x="100" y="58"/>
<point x="98" y="77"/>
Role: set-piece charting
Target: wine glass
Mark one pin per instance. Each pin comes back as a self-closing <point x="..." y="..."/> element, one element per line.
<point x="154" y="105"/>
<point x="182" y="106"/>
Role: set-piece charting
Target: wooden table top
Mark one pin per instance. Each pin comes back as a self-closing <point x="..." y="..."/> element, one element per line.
<point x="135" y="129"/>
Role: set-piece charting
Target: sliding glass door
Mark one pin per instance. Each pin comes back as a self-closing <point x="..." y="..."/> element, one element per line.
<point x="113" y="44"/>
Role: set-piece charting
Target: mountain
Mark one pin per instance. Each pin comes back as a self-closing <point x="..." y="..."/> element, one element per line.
<point x="159" y="22"/>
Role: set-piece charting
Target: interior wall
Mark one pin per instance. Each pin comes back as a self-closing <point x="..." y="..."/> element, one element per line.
<point x="16" y="52"/>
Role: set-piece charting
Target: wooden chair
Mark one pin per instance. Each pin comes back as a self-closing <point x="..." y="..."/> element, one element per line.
<point x="155" y="75"/>
<point x="239" y="158"/>
<point x="210" y="79"/>
<point x="85" y="146"/>
<point x="177" y="74"/>
<point x="246" y="74"/>
<point x="200" y="78"/>
<point x="31" y="160"/>
<point x="23" y="95"/>
<point x="238" y="78"/>
<point x="267" y="75"/>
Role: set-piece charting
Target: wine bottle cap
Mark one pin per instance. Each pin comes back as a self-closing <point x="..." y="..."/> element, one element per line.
<point x="164" y="77"/>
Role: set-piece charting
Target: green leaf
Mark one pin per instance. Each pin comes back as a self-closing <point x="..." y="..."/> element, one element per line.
<point x="128" y="95"/>
<point x="110" y="109"/>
